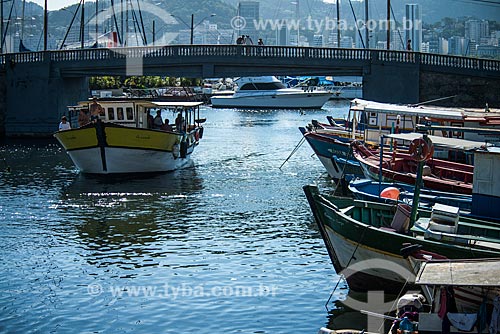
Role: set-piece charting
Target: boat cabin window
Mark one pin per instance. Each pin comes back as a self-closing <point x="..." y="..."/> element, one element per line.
<point x="119" y="113"/>
<point x="263" y="86"/>
<point x="130" y="113"/>
<point x="111" y="114"/>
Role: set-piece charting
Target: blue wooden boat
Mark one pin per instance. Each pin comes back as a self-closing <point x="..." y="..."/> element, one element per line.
<point x="368" y="190"/>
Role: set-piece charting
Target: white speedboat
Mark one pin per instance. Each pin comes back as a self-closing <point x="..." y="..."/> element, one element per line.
<point x="269" y="92"/>
<point x="123" y="140"/>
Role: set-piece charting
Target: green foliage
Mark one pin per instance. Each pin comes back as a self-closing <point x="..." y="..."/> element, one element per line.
<point x="106" y="82"/>
<point x="140" y="82"/>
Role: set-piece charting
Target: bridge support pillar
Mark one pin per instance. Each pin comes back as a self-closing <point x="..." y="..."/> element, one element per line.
<point x="3" y="103"/>
<point x="391" y="83"/>
<point x="37" y="96"/>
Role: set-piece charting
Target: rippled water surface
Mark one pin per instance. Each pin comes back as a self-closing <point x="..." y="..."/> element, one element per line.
<point x="227" y="246"/>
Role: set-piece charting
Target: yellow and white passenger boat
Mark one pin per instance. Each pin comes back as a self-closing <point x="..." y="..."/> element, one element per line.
<point x="123" y="139"/>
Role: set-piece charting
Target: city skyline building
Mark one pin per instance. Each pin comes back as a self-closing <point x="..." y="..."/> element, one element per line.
<point x="413" y="26"/>
<point x="282" y="36"/>
<point x="250" y="12"/>
<point x="475" y="30"/>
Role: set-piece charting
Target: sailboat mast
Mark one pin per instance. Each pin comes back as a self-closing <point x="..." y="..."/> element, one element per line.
<point x="367" y="33"/>
<point x="22" y="21"/>
<point x="338" y="23"/>
<point x="82" y="25"/>
<point x="45" y="26"/>
<point x="1" y="26"/>
<point x="96" y="22"/>
<point x="388" y="24"/>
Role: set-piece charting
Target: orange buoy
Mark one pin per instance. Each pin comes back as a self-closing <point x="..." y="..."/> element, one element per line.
<point x="390" y="192"/>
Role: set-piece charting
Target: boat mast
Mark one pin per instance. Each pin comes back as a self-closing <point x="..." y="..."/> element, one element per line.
<point x="388" y="24"/>
<point x="82" y="25"/>
<point x="1" y="26"/>
<point x="96" y="23"/>
<point x="45" y="25"/>
<point x="367" y="33"/>
<point x="22" y="21"/>
<point x="338" y="23"/>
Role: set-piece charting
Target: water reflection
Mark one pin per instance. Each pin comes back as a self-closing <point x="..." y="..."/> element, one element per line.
<point x="123" y="221"/>
<point x="342" y="316"/>
<point x="179" y="182"/>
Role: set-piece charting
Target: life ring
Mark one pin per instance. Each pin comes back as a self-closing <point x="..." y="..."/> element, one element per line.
<point x="421" y="150"/>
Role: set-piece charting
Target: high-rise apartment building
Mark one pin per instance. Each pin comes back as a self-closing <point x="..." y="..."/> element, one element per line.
<point x="413" y="26"/>
<point x="475" y="30"/>
<point x="249" y="10"/>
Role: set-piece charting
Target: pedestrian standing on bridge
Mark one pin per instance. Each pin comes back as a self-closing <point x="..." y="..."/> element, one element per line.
<point x="408" y="45"/>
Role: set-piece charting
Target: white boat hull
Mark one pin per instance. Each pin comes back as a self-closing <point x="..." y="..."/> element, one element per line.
<point x="370" y="263"/>
<point x="126" y="160"/>
<point x="301" y="100"/>
<point x="348" y="93"/>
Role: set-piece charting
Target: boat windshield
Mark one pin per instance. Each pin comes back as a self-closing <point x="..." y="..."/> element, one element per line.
<point x="262" y="86"/>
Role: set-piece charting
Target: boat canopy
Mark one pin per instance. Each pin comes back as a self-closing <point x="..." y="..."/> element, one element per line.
<point x="477" y="272"/>
<point x="177" y="104"/>
<point x="450" y="143"/>
<point x="407" y="110"/>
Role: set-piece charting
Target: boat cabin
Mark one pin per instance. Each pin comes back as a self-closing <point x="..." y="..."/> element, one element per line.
<point x="377" y="119"/>
<point x="138" y="113"/>
<point x="259" y="83"/>
<point x="464" y="295"/>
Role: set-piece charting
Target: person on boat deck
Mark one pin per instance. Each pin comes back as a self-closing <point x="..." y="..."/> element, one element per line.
<point x="64" y="125"/>
<point x="240" y="40"/>
<point x="179" y="123"/>
<point x="96" y="110"/>
<point x="167" y="126"/>
<point x="83" y="118"/>
<point x="157" y="121"/>
<point x="150" y="121"/>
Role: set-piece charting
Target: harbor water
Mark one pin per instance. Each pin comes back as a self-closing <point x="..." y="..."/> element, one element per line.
<point x="228" y="245"/>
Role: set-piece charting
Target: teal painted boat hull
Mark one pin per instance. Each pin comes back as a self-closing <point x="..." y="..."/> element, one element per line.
<point x="363" y="247"/>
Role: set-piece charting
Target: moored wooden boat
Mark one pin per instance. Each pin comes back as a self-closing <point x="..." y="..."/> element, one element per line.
<point x="334" y="152"/>
<point x="367" y="121"/>
<point x="464" y="295"/>
<point x="373" y="191"/>
<point x="441" y="175"/>
<point x="123" y="140"/>
<point x="364" y="239"/>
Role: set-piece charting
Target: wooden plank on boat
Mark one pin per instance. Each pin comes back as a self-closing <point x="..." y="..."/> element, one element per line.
<point x="395" y="109"/>
<point x="482" y="272"/>
<point x="452" y="143"/>
<point x="177" y="104"/>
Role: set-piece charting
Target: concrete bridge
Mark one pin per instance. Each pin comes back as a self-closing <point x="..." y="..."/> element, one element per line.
<point x="36" y="87"/>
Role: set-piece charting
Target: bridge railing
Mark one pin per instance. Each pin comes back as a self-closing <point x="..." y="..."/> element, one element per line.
<point x="254" y="51"/>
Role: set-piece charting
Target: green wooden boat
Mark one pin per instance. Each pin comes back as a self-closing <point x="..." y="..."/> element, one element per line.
<point x="365" y="239"/>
